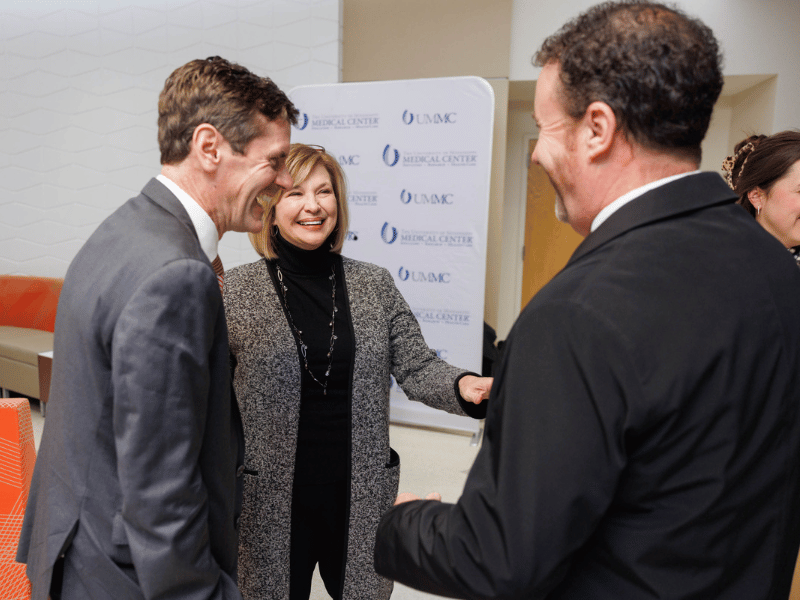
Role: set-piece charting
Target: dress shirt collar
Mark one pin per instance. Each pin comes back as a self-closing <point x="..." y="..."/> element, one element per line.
<point x="632" y="195"/>
<point x="206" y="230"/>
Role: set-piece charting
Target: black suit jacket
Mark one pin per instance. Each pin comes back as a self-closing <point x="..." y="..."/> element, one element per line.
<point x="136" y="483"/>
<point x="643" y="435"/>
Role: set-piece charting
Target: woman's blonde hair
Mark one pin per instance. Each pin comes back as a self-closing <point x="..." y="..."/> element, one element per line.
<point x="301" y="161"/>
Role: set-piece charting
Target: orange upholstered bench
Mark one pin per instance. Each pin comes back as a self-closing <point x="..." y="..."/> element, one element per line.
<point x="27" y="319"/>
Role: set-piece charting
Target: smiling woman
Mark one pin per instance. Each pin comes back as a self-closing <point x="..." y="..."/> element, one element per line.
<point x="765" y="172"/>
<point x="306" y="215"/>
<point x="315" y="338"/>
<point x="312" y="212"/>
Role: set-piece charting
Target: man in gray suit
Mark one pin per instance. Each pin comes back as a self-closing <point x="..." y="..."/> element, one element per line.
<point x="137" y="490"/>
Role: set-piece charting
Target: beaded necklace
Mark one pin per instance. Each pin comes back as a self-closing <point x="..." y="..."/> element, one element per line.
<point x="303" y="347"/>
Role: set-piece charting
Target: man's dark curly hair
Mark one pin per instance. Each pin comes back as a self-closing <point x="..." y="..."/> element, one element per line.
<point x="221" y="93"/>
<point x="658" y="69"/>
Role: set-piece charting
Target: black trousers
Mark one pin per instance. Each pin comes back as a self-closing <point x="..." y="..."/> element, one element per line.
<point x="318" y="535"/>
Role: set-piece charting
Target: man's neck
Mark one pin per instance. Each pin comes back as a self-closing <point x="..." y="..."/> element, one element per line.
<point x="626" y="167"/>
<point x="189" y="182"/>
<point x="640" y="167"/>
<point x="643" y="172"/>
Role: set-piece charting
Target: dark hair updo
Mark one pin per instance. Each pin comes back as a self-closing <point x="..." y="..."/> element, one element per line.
<point x="759" y="161"/>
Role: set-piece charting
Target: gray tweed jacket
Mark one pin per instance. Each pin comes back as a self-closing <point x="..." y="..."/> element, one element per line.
<point x="388" y="341"/>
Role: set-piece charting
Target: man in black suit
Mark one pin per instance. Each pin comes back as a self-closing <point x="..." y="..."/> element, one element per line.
<point x="643" y="434"/>
<point x="136" y="491"/>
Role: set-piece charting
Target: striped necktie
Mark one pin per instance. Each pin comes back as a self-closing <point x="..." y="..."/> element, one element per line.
<point x="216" y="264"/>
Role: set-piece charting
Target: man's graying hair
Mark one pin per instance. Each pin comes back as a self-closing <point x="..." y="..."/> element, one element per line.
<point x="658" y="69"/>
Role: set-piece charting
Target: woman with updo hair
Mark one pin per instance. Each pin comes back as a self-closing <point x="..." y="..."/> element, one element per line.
<point x="765" y="172"/>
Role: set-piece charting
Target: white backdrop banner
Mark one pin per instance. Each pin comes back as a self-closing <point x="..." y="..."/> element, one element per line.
<point x="417" y="156"/>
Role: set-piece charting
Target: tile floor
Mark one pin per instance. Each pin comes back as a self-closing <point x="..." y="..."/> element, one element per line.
<point x="430" y="461"/>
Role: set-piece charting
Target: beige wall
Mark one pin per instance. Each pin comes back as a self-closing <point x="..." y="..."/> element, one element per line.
<point x="409" y="39"/>
<point x="752" y="111"/>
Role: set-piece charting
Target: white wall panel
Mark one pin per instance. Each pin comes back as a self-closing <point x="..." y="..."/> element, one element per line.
<point x="79" y="86"/>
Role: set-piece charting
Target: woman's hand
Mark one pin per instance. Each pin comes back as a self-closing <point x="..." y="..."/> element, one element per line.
<point x="475" y="389"/>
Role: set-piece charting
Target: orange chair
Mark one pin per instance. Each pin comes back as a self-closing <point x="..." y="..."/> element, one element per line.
<point x="17" y="456"/>
<point x="27" y="318"/>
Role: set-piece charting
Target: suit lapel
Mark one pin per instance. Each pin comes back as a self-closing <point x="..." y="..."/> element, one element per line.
<point x="158" y="193"/>
<point x="687" y="194"/>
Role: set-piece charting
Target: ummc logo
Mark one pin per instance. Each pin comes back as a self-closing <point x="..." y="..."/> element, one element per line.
<point x="429" y="119"/>
<point x="302" y="122"/>
<point x="390" y="155"/>
<point x="422" y="277"/>
<point x="351" y="121"/>
<point x="352" y="236"/>
<point x="407" y="197"/>
<point x="408" y="237"/>
<point x="362" y="199"/>
<point x="352" y="160"/>
<point x="441" y="353"/>
<point x="388" y="233"/>
<point x="441" y="316"/>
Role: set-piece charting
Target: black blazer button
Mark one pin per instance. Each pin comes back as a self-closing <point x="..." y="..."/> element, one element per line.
<point x="240" y="471"/>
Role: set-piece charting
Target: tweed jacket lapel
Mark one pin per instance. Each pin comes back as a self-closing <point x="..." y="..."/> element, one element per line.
<point x="687" y="194"/>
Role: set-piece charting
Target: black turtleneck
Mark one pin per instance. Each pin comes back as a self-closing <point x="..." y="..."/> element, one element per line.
<point x="323" y="438"/>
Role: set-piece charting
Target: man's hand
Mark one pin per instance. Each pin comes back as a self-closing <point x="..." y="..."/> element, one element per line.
<point x="475" y="389"/>
<point x="408" y="497"/>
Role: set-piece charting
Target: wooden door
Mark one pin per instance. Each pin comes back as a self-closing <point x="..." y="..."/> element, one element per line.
<point x="794" y="593"/>
<point x="548" y="242"/>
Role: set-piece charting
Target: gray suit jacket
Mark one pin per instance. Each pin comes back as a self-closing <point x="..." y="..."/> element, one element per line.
<point x="136" y="481"/>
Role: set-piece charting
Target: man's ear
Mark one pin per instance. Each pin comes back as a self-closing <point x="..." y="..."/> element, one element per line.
<point x="600" y="127"/>
<point x="207" y="145"/>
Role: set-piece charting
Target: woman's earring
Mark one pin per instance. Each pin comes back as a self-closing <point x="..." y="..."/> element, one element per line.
<point x="756" y="194"/>
<point x="274" y="231"/>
